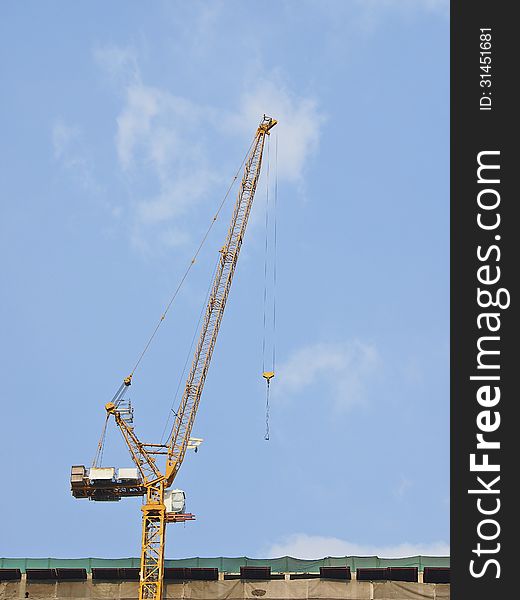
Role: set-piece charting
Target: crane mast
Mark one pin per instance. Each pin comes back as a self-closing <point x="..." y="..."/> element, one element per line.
<point x="154" y="482"/>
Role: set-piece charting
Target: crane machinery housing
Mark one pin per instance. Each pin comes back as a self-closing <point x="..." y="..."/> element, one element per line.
<point x="162" y="504"/>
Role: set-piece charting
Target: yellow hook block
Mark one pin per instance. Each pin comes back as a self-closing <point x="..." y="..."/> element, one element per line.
<point x="268" y="375"/>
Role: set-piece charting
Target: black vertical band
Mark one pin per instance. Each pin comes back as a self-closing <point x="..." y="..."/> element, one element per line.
<point x="484" y="325"/>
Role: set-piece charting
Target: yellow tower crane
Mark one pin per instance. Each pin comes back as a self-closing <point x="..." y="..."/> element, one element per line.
<point x="148" y="480"/>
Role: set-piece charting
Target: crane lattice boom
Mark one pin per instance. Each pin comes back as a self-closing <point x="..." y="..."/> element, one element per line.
<point x="153" y="482"/>
<point x="215" y="309"/>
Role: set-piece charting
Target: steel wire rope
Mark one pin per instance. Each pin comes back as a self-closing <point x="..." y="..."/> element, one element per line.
<point x="118" y="396"/>
<point x="192" y="262"/>
<point x="267" y="406"/>
<point x="98" y="457"/>
<point x="266" y="259"/>
<point x="103" y="444"/>
<point x="268" y="375"/>
<point x="274" y="246"/>
<point x="266" y="435"/>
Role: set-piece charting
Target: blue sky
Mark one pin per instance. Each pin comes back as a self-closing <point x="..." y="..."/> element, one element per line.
<point x="122" y="126"/>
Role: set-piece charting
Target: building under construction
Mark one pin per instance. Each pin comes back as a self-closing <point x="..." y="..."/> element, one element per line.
<point x="340" y="578"/>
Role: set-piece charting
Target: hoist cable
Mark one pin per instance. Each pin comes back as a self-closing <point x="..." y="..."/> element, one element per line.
<point x="99" y="451"/>
<point x="266" y="259"/>
<point x="268" y="376"/>
<point x="103" y="444"/>
<point x="266" y="436"/>
<point x="192" y="262"/>
<point x="274" y="247"/>
<point x="269" y="321"/>
<point x="116" y="400"/>
<point x="120" y="392"/>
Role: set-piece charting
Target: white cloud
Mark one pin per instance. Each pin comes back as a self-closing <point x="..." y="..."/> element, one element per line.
<point x="154" y="141"/>
<point x="69" y="152"/>
<point x="299" y="123"/>
<point x="301" y="545"/>
<point x="198" y="26"/>
<point x="157" y="126"/>
<point x="175" y="198"/>
<point x="156" y="136"/>
<point x="340" y="368"/>
<point x="134" y="122"/>
<point x="62" y="137"/>
<point x="163" y="142"/>
<point x="402" y="487"/>
<point x="119" y="63"/>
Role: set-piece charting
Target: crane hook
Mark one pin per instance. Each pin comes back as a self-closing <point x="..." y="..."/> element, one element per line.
<point x="267" y="375"/>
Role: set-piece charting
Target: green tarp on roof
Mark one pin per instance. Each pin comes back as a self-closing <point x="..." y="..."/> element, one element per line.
<point x="285" y="564"/>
